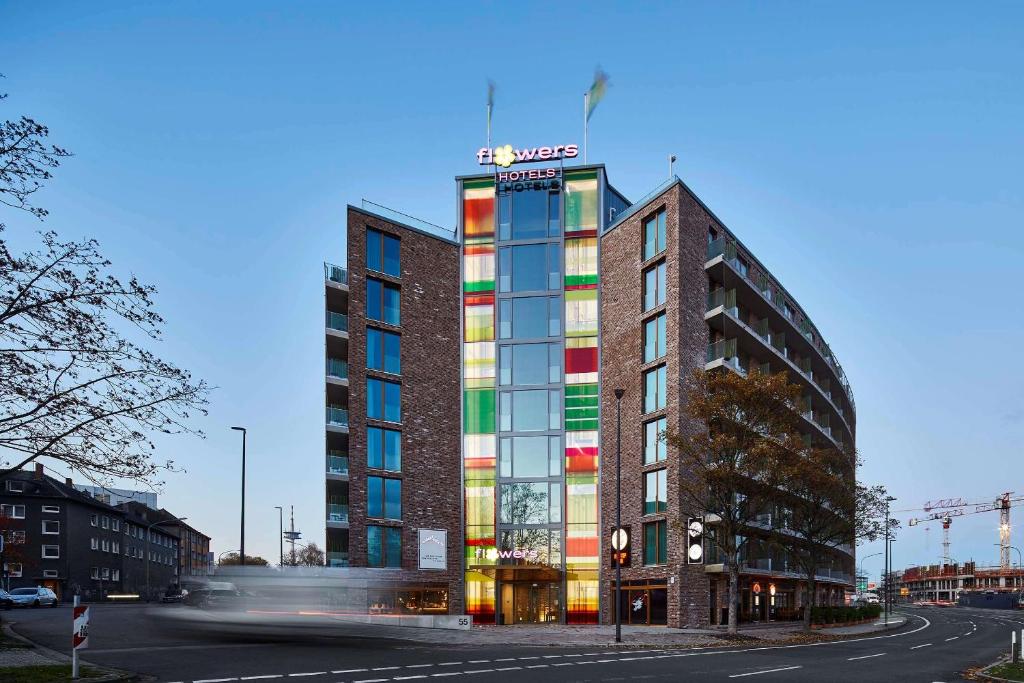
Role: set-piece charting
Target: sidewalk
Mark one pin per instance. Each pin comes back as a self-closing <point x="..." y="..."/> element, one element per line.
<point x="18" y="652"/>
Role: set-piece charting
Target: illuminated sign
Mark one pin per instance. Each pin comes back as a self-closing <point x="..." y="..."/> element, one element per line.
<point x="511" y="554"/>
<point x="621" y="543"/>
<point x="695" y="537"/>
<point x="506" y="155"/>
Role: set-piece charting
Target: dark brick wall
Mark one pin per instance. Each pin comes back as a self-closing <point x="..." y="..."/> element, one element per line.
<point x="431" y="430"/>
<point x="622" y="318"/>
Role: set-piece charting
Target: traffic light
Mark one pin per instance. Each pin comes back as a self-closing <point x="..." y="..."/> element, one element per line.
<point x="621" y="544"/>
<point x="695" y="540"/>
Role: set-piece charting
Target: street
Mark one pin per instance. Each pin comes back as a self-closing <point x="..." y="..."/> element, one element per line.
<point x="935" y="645"/>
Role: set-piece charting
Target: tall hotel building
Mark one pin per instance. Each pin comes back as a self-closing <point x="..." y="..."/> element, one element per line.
<point x="471" y="432"/>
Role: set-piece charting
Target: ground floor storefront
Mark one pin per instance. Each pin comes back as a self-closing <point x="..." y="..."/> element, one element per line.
<point x="767" y="598"/>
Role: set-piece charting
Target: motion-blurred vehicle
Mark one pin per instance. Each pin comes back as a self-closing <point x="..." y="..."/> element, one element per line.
<point x="214" y="595"/>
<point x="6" y="601"/>
<point x="174" y="595"/>
<point x="34" y="597"/>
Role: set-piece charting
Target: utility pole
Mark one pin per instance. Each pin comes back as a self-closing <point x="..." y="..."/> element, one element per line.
<point x="292" y="535"/>
<point x="280" y="535"/>
<point x="618" y="511"/>
<point x="241" y="552"/>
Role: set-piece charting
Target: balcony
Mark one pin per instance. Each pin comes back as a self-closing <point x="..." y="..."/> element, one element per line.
<point x="337" y="417"/>
<point x="337" y="464"/>
<point x="723" y="353"/>
<point x="337" y="513"/>
<point x="338" y="274"/>
<point x="335" y="559"/>
<point x="337" y="322"/>
<point x="337" y="368"/>
<point x="771" y="293"/>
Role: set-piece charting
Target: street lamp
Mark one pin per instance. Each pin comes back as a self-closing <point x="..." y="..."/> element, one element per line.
<point x="241" y="552"/>
<point x="1013" y="547"/>
<point x="619" y="393"/>
<point x="280" y="534"/>
<point x="860" y="572"/>
<point x="220" y="555"/>
<point x="888" y="559"/>
<point x="149" y="542"/>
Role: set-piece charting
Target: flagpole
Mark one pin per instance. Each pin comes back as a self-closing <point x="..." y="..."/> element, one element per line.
<point x="586" y="124"/>
<point x="488" y="127"/>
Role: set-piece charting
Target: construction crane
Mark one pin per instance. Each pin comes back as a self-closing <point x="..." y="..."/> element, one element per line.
<point x="956" y="507"/>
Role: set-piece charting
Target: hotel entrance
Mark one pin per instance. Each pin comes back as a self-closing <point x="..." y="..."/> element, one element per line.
<point x="528" y="602"/>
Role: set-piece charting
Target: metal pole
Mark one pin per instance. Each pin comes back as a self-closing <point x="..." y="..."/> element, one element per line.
<point x="586" y="124"/>
<point x="241" y="552"/>
<point x="618" y="512"/>
<point x="74" y="650"/>
<point x="280" y="535"/>
<point x="885" y="568"/>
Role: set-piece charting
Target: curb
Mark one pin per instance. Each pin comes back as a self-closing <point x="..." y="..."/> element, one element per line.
<point x="986" y="677"/>
<point x="112" y="675"/>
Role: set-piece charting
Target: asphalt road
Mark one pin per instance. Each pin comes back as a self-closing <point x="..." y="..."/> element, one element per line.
<point x="937" y="644"/>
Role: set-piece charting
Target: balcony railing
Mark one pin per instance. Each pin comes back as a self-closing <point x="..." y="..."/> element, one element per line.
<point x="335" y="273"/>
<point x="771" y="291"/>
<point x="335" y="559"/>
<point x="725" y="350"/>
<point x="337" y="368"/>
<point x="337" y="321"/>
<point x="337" y="512"/>
<point x="338" y="416"/>
<point x="337" y="463"/>
<point x="723" y="297"/>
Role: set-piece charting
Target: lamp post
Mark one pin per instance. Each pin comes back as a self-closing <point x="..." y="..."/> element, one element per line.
<point x="220" y="555"/>
<point x="149" y="542"/>
<point x="860" y="572"/>
<point x="241" y="552"/>
<point x="280" y="535"/>
<point x="619" y="393"/>
<point x="888" y="558"/>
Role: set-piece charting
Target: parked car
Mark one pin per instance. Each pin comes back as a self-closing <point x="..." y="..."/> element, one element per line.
<point x="6" y="601"/>
<point x="34" y="597"/>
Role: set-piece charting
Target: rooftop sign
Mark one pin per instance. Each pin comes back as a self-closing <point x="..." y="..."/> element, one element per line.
<point x="506" y="156"/>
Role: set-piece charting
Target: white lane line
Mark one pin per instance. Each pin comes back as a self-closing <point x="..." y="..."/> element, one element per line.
<point x="537" y="666"/>
<point x="509" y="668"/>
<point x="311" y="673"/>
<point x="552" y="656"/>
<point x="506" y="659"/>
<point x="478" y="661"/>
<point x="478" y="671"/>
<point x="591" y="654"/>
<point x="385" y="668"/>
<point x="767" y="671"/>
<point x="851" y="659"/>
<point x="449" y="663"/>
<point x="215" y="680"/>
<point x="953" y="638"/>
<point x="573" y="655"/>
<point x="447" y="673"/>
<point x="416" y="666"/>
<point x="347" y="671"/>
<point x="260" y="678"/>
<point x="407" y="678"/>
<point x="564" y="664"/>
<point x="528" y="658"/>
<point x="371" y="680"/>
<point x="920" y="646"/>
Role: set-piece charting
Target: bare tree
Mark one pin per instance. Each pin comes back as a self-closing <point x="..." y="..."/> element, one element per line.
<point x="77" y="381"/>
<point x="233" y="560"/>
<point x="309" y="555"/>
<point x="742" y="429"/>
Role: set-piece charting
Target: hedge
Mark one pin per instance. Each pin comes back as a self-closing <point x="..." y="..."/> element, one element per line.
<point x="843" y="614"/>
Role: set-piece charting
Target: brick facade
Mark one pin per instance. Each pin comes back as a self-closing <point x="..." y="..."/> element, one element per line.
<point x="431" y="445"/>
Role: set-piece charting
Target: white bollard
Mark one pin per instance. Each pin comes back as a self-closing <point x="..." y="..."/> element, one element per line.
<point x="74" y="650"/>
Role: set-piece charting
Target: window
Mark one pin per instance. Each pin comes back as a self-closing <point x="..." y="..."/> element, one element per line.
<point x="527" y="457"/>
<point x="654" y="389"/>
<point x="51" y="526"/>
<point x="383" y="400"/>
<point x="383" y="302"/>
<point x="383" y="351"/>
<point x="12" y="511"/>
<point x="382" y="253"/>
<point x="16" y="486"/>
<point x="94" y="573"/>
<point x="536" y="410"/>
<point x="531" y="503"/>
<point x="106" y="545"/>
<point x="13" y="537"/>
<point x="384" y="546"/>
<point x="654" y="338"/>
<point x="115" y="575"/>
<point x="742" y="266"/>
<point x="51" y="552"/>
<point x="14" y="570"/>
<point x="655" y="448"/>
<point x="383" y="498"/>
<point x="94" y="520"/>
<point x="384" y="449"/>
<point x="94" y="544"/>
<point x="654" y="235"/>
<point x="50" y="573"/>
<point x="525" y="364"/>
<point x="712" y="235"/>
<point x="115" y="547"/>
<point x="115" y="525"/>
<point x="51" y="509"/>
<point x="554" y="214"/>
<point x="654" y="286"/>
<point x="529" y="267"/>
<point x="530" y="317"/>
<point x="655" y="543"/>
<point x="105" y="522"/>
<point x="105" y="573"/>
<point x="655" y="494"/>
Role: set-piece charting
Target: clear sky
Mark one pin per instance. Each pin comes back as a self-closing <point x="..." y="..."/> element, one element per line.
<point x="869" y="155"/>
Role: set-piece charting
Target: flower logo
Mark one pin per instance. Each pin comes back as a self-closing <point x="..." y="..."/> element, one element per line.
<point x="504" y="156"/>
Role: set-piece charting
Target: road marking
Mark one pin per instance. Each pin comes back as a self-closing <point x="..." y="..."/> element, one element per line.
<point x="506" y="659"/>
<point x="216" y="680"/>
<point x="313" y="673"/>
<point x="768" y="671"/>
<point x="850" y="659"/>
<point x="478" y="671"/>
<point x="448" y="673"/>
<point x="347" y="671"/>
<point x="382" y="668"/>
<point x="920" y="646"/>
<point x="449" y="663"/>
<point x="953" y="638"/>
<point x="564" y="664"/>
<point x="537" y="666"/>
<point x="371" y="680"/>
<point x="509" y="668"/>
<point x="407" y="678"/>
<point x="529" y="658"/>
<point x="479" y="661"/>
<point x="552" y="656"/>
<point x="260" y="678"/>
<point x="413" y="666"/>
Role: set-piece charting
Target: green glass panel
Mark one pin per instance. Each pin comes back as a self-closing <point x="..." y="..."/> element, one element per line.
<point x="478" y="407"/>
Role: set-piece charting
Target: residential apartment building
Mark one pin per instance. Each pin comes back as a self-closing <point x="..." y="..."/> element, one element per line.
<point x="114" y="496"/>
<point x="470" y="390"/>
<point x="62" y="538"/>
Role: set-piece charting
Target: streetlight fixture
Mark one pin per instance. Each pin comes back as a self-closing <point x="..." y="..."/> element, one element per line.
<point x="280" y="535"/>
<point x="241" y="552"/>
<point x="888" y="559"/>
<point x="860" y="572"/>
<point x="149" y="542"/>
<point x="619" y="393"/>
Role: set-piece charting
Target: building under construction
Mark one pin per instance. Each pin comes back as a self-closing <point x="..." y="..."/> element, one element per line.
<point x="959" y="583"/>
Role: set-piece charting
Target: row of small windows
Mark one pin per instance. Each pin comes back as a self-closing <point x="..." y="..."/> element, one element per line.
<point x="104" y="574"/>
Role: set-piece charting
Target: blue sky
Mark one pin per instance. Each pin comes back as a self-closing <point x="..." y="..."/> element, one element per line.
<point x="869" y="155"/>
